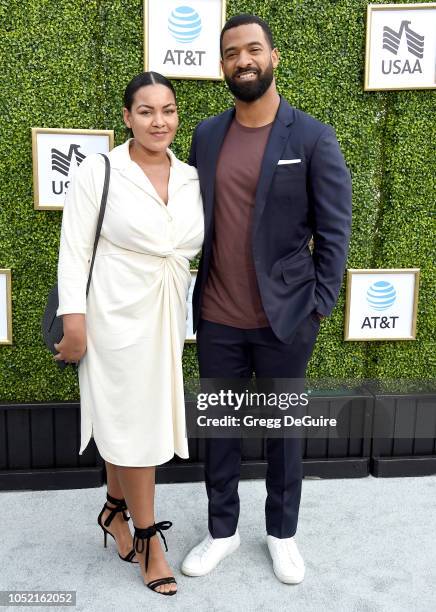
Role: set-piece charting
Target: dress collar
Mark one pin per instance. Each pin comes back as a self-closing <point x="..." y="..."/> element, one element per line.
<point x="180" y="173"/>
<point x="120" y="159"/>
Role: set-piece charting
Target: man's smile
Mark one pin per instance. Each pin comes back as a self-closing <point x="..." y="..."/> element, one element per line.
<point x="248" y="75"/>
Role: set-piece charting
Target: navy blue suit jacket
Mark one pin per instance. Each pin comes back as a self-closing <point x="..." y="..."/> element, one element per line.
<point x="293" y="203"/>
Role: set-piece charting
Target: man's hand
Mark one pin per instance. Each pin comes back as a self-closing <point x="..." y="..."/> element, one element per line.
<point x="72" y="347"/>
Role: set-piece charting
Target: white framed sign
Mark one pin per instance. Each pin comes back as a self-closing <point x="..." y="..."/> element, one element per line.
<point x="190" y="335"/>
<point x="56" y="154"/>
<point x="5" y="306"/>
<point x="381" y="304"/>
<point x="182" y="38"/>
<point x="400" y="46"/>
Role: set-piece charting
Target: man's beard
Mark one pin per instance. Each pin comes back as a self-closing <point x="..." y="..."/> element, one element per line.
<point x="251" y="90"/>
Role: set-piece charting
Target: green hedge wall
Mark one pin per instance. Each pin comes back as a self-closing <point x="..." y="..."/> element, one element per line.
<point x="66" y="65"/>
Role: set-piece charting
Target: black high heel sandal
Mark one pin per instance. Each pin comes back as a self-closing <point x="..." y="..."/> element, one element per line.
<point x="138" y="545"/>
<point x="120" y="506"/>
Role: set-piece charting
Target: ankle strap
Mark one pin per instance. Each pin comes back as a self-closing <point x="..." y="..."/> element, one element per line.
<point x="115" y="501"/>
<point x="120" y="506"/>
<point x="147" y="533"/>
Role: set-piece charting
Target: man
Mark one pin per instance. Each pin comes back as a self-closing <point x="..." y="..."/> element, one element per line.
<point x="271" y="178"/>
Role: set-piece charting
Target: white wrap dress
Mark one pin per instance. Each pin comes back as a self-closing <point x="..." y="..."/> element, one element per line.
<point x="130" y="378"/>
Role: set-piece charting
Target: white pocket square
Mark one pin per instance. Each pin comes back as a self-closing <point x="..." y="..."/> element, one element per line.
<point x="282" y="162"/>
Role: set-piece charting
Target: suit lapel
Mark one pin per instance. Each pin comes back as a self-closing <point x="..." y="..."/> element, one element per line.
<point x="216" y="139"/>
<point x="273" y="151"/>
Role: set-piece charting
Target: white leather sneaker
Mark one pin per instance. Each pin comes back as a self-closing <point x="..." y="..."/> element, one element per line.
<point x="288" y="564"/>
<point x="204" y="557"/>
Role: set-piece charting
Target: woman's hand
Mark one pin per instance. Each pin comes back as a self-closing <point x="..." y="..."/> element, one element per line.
<point x="72" y="347"/>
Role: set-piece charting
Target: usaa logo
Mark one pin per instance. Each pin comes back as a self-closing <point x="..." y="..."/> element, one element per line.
<point x="61" y="163"/>
<point x="415" y="47"/>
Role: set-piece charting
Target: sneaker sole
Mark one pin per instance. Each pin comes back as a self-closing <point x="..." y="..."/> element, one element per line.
<point x="287" y="579"/>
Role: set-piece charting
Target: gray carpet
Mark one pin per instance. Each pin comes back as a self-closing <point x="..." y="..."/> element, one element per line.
<point x="368" y="544"/>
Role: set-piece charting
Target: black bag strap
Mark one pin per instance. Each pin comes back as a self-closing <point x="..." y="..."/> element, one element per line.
<point x="100" y="216"/>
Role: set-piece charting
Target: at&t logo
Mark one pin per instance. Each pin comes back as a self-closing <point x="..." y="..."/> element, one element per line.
<point x="380" y="296"/>
<point x="184" y="25"/>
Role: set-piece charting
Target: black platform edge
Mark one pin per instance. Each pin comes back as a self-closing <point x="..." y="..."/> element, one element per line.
<point x="346" y="467"/>
<point x="390" y="467"/>
<point x="350" y="467"/>
<point x="51" y="479"/>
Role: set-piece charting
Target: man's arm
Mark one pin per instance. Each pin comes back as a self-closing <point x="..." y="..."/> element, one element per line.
<point x="330" y="199"/>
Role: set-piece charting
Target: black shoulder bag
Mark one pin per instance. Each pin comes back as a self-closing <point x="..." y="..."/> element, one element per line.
<point x="52" y="326"/>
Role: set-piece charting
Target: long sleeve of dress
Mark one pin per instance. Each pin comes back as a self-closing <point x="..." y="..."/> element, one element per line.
<point x="79" y="223"/>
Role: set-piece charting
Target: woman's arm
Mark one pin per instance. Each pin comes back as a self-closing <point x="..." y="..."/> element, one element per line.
<point x="79" y="222"/>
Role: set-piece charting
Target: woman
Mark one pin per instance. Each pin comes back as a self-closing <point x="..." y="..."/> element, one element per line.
<point x="129" y="333"/>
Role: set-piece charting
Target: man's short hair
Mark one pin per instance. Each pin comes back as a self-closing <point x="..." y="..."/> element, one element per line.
<point x="245" y="19"/>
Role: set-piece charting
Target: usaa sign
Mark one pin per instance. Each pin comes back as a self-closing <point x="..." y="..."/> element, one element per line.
<point x="400" y="46"/>
<point x="56" y="155"/>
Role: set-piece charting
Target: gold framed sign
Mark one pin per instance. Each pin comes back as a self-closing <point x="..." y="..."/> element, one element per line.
<point x="400" y="46"/>
<point x="182" y="38"/>
<point x="56" y="154"/>
<point x="5" y="306"/>
<point x="190" y="335"/>
<point x="381" y="304"/>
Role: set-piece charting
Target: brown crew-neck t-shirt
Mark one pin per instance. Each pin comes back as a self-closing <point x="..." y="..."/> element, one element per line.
<point x="231" y="295"/>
